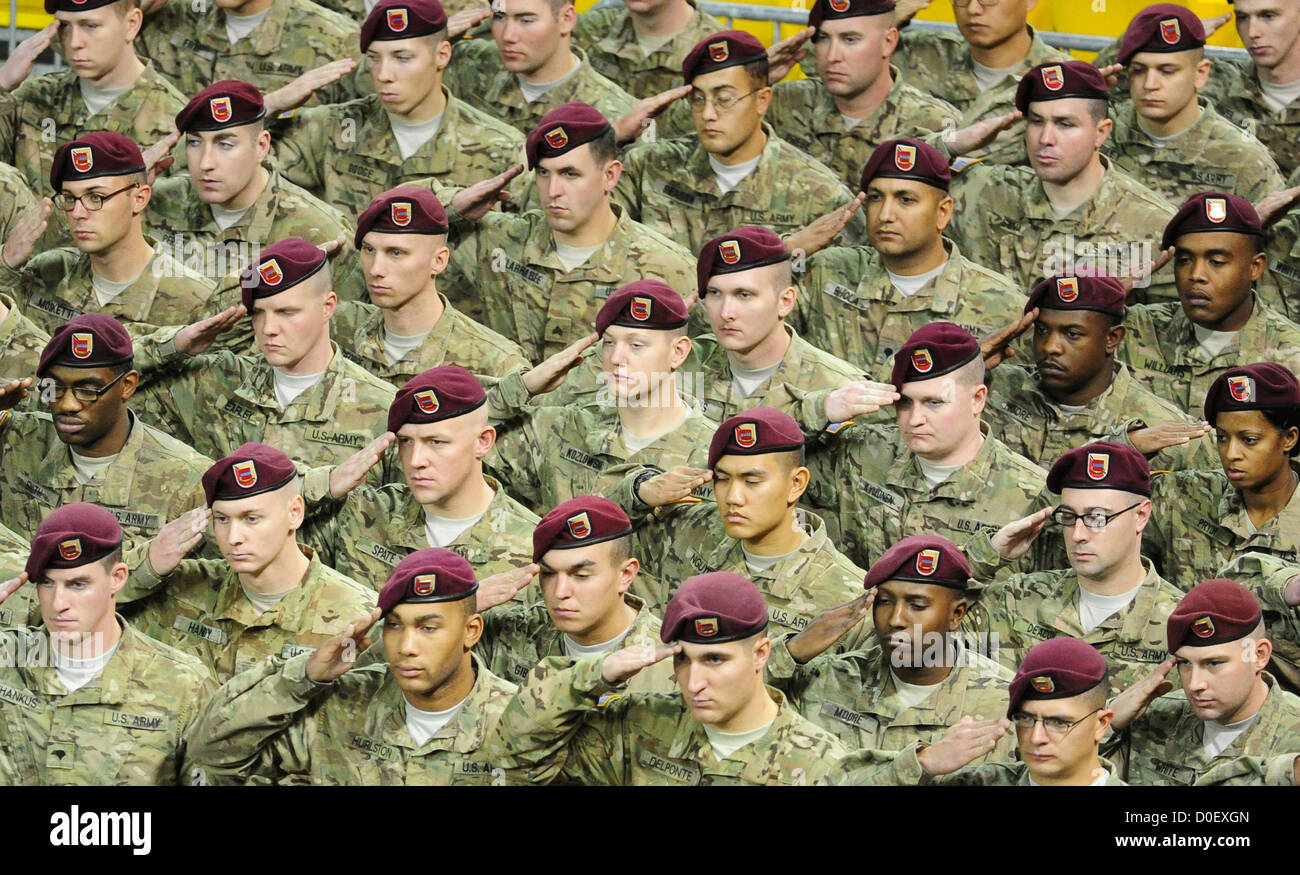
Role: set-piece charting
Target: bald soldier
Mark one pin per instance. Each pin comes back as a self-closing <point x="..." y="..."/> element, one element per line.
<point x="583" y="549"/>
<point x="1177" y="349"/>
<point x="96" y="701"/>
<point x="267" y="595"/>
<point x="115" y="268"/>
<point x="424" y="715"/>
<point x="861" y="303"/>
<point x="576" y="721"/>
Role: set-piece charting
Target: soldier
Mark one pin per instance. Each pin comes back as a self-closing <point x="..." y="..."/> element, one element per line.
<point x="95" y="701"/>
<point x="425" y="715"/>
<point x="410" y="327"/>
<point x="736" y="170"/>
<point x="440" y="421"/>
<point x="1229" y="707"/>
<point x="533" y="66"/>
<point x="574" y="720"/>
<point x="1275" y="583"/>
<point x="861" y="303"/>
<point x="1167" y="137"/>
<point x="1177" y="349"/>
<point x="411" y="129"/>
<point x="1111" y="596"/>
<point x="1206" y="518"/>
<point x="1071" y="211"/>
<point x="269" y="595"/>
<point x="857" y="101"/>
<point x="584" y="550"/>
<point x="540" y="278"/>
<point x="1277" y="289"/>
<point x="115" y="269"/>
<point x="1079" y="391"/>
<point x="15" y="198"/>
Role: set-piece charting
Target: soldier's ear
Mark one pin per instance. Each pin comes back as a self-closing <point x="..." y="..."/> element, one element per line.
<point x="1114" y="337"/>
<point x="890" y="43"/>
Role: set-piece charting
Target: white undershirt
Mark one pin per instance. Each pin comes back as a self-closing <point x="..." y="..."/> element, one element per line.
<point x="637" y="443"/>
<point x="1214" y="342"/>
<point x="758" y="564"/>
<point x="731" y="175"/>
<point x="410" y="137"/>
<point x="1279" y="97"/>
<point x="727" y="743"/>
<point x="1094" y="609"/>
<point x="987" y="77"/>
<point x="746" y="382"/>
<point x="396" y="346"/>
<point x="573" y="648"/>
<point x="574" y="257"/>
<point x="1072" y="408"/>
<point x="424" y="725"/>
<point x="87" y="468"/>
<point x="226" y="218"/>
<point x="910" y="285"/>
<point x="1062" y="212"/>
<point x="1165" y="141"/>
<point x="1099" y="782"/>
<point x="76" y="673"/>
<point x="850" y="122"/>
<point x="1217" y="737"/>
<point x="651" y="44"/>
<point x="107" y="290"/>
<point x="935" y="474"/>
<point x="97" y="99"/>
<point x="264" y="601"/>
<point x="288" y="387"/>
<point x="240" y="26"/>
<point x="535" y="91"/>
<point x="441" y="530"/>
<point x="912" y="695"/>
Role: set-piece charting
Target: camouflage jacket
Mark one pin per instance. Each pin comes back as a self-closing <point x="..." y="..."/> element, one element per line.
<point x="1278" y="288"/>
<point x="1234" y="88"/>
<point x="15" y="197"/>
<point x="21" y="343"/>
<point x="902" y="768"/>
<point x="1266" y="576"/>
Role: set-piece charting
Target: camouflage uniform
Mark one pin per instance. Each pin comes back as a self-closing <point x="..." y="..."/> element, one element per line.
<point x="200" y="608"/>
<point x="1234" y="88"/>
<point x="804" y="114"/>
<point x="130" y="725"/>
<point x="670" y="186"/>
<point x="849" y="308"/>
<point x="1279" y="288"/>
<point x="1161" y="348"/>
<point x="568" y="723"/>
<point x="367" y="533"/>
<point x="476" y="73"/>
<point x="1266" y="576"/>
<point x="15" y="197"/>
<point x="21" y="343"/>
<point x="1004" y="221"/>
<point x="1022" y="415"/>
<point x="273" y="723"/>
<point x="940" y="64"/>
<point x="22" y="606"/>
<point x="902" y="768"/>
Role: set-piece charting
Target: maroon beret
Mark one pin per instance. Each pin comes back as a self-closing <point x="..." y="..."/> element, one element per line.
<point x="932" y="351"/>
<point x="225" y="104"/>
<point x="92" y="340"/>
<point x="1101" y="465"/>
<point x="1214" y="612"/>
<point x="755" y="432"/>
<point x="1212" y="211"/>
<point x="726" y="49"/>
<point x="908" y="159"/>
<point x="1056" y="669"/>
<point x="1102" y="293"/>
<point x="1261" y="386"/>
<point x="440" y="393"/>
<point x="922" y="559"/>
<point x="824" y="10"/>
<point x="428" y="575"/>
<point x="643" y="304"/>
<point x="101" y="153"/>
<point x="1165" y="27"/>
<point x="407" y="209"/>
<point x="712" y="608"/>
<point x="579" y="522"/>
<point x="1059" y="81"/>
<point x="53" y="6"/>
<point x="402" y="19"/>
<point x="745" y="248"/>
<point x="563" y="129"/>
<point x="280" y="267"/>
<point x="250" y="470"/>
<point x="72" y="536"/>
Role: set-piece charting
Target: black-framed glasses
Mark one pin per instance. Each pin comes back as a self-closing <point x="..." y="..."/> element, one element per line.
<point x="1096" y="519"/>
<point x="52" y="390"/>
<point x="721" y="103"/>
<point x="92" y="200"/>
<point x="1055" y="727"/>
<point x="987" y="4"/>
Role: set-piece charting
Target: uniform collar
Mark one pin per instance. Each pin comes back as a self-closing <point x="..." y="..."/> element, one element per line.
<point x="294" y="613"/>
<point x="464" y="734"/>
<point x="115" y="489"/>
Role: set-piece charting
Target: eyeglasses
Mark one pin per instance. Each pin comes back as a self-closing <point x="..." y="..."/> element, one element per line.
<point x="987" y="4"/>
<point x="52" y="390"/>
<point x="91" y="200"/>
<point x="721" y="103"/>
<point x="1094" y="519"/>
<point x="1055" y="727"/>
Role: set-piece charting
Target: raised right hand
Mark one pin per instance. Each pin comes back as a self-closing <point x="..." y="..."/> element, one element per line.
<point x="196" y="337"/>
<point x="1130" y="704"/>
<point x="673" y="485"/>
<point x="351" y="473"/>
<point x="29" y="227"/>
<point x="963" y="743"/>
<point x="623" y="664"/>
<point x="177" y="538"/>
<point x="333" y="658"/>
<point x="1014" y="539"/>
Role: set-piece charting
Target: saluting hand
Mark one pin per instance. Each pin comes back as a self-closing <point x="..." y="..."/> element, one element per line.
<point x="1013" y="540"/>
<point x="12" y="392"/>
<point x="550" y="374"/>
<point x="1155" y="438"/>
<point x="10" y="586"/>
<point x="301" y="89"/>
<point x="500" y="588"/>
<point x="858" y="399"/>
<point x="158" y="157"/>
<point x="966" y="140"/>
<point x="1273" y="206"/>
<point x="475" y="201"/>
<point x="19" y="65"/>
<point x="1129" y="705"/>
<point x="29" y="227"/>
<point x="333" y="658"/>
<point x="963" y="743"/>
<point x="783" y="55"/>
<point x="177" y="538"/>
<point x="996" y="347"/>
<point x="194" y="338"/>
<point x="822" y="231"/>
<point x="829" y="626"/>
<point x="351" y="473"/>
<point x="673" y="485"/>
<point x="464" y="21"/>
<point x="623" y="664"/>
<point x="637" y="120"/>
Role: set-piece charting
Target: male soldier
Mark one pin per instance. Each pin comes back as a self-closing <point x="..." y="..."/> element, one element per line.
<point x="736" y="170"/>
<point x="106" y="88"/>
<point x="857" y="101"/>
<point x="109" y="705"/>
<point x="115" y="269"/>
<point x="410" y="129"/>
<point x="1079" y="391"/>
<point x="1111" y="595"/>
<point x="269" y="595"/>
<point x="861" y="303"/>
<point x="300" y="395"/>
<point x="1177" y="349"/>
<point x="533" y="67"/>
<point x="584" y="550"/>
<point x="1167" y="137"/>
<point x="540" y="278"/>
<point x="409" y="326"/>
<point x="1058" y="689"/>
<point x="1070" y="211"/>
<point x="575" y="721"/>
<point x="1229" y="706"/>
<point x="440" y="421"/>
<point x="425" y="715"/>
